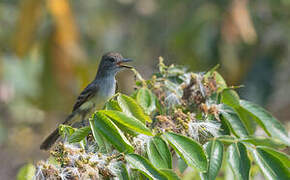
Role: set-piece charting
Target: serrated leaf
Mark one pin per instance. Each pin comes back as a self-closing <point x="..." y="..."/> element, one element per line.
<point x="264" y="141"/>
<point x="189" y="150"/>
<point x="27" y="172"/>
<point x="214" y="151"/>
<point x="131" y="108"/>
<point x="233" y="121"/>
<point x="104" y="147"/>
<point x="145" y="167"/>
<point x="125" y="129"/>
<point x="112" y="105"/>
<point x="230" y="98"/>
<point x="284" y="158"/>
<point x="158" y="153"/>
<point x="247" y="120"/>
<point x="270" y="124"/>
<point x="225" y="128"/>
<point x="272" y="167"/>
<point x="128" y="121"/>
<point x="79" y="134"/>
<point x="146" y="99"/>
<point x="170" y="174"/>
<point x="111" y="132"/>
<point x="239" y="161"/>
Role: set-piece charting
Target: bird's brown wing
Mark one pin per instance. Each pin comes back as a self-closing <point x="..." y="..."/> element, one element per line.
<point x="86" y="95"/>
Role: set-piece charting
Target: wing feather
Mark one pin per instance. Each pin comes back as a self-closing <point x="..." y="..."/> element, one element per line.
<point x="89" y="92"/>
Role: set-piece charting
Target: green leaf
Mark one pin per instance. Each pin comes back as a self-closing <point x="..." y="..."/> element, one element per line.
<point x="130" y="107"/>
<point x="239" y="161"/>
<point x="230" y="98"/>
<point x="158" y="153"/>
<point x="26" y="172"/>
<point x="270" y="124"/>
<point x="112" y="105"/>
<point x="123" y="175"/>
<point x="229" y="175"/>
<point x="284" y="158"/>
<point x="143" y="165"/>
<point x="233" y="121"/>
<point x="79" y="134"/>
<point x="128" y="121"/>
<point x="214" y="151"/>
<point x="218" y="78"/>
<point x="111" y="132"/>
<point x="189" y="150"/>
<point x="125" y="129"/>
<point x="170" y="174"/>
<point x="225" y="128"/>
<point x="271" y="166"/>
<point x="65" y="130"/>
<point x="263" y="141"/>
<point x="104" y="147"/>
<point x="146" y="99"/>
<point x="247" y="120"/>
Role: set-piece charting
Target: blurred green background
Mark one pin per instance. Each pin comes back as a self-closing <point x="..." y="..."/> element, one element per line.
<point x="50" y="49"/>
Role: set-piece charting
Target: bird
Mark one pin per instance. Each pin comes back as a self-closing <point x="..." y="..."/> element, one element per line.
<point x="95" y="94"/>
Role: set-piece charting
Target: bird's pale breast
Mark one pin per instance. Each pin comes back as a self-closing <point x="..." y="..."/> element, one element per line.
<point x="106" y="89"/>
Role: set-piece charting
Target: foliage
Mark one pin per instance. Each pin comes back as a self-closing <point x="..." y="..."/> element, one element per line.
<point x="174" y="116"/>
<point x="51" y="48"/>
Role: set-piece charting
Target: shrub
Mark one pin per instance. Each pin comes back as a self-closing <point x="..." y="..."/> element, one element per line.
<point x="173" y="121"/>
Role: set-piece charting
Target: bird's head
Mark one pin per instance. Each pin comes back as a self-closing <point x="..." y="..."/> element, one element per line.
<point x="112" y="63"/>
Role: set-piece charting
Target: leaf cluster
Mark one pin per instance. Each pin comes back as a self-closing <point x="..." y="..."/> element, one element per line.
<point x="191" y="117"/>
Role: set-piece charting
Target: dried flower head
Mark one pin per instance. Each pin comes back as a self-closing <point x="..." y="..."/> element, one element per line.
<point x="74" y="162"/>
<point x="140" y="143"/>
<point x="203" y="129"/>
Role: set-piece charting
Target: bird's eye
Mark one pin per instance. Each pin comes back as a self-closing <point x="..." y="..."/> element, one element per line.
<point x="111" y="59"/>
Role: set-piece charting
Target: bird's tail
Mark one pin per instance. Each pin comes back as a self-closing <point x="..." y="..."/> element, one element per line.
<point x="50" y="140"/>
<point x="53" y="137"/>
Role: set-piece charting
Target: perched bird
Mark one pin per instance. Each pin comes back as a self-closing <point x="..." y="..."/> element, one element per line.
<point x="94" y="95"/>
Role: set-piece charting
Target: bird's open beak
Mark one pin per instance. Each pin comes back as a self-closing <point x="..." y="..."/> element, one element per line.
<point x="121" y="63"/>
